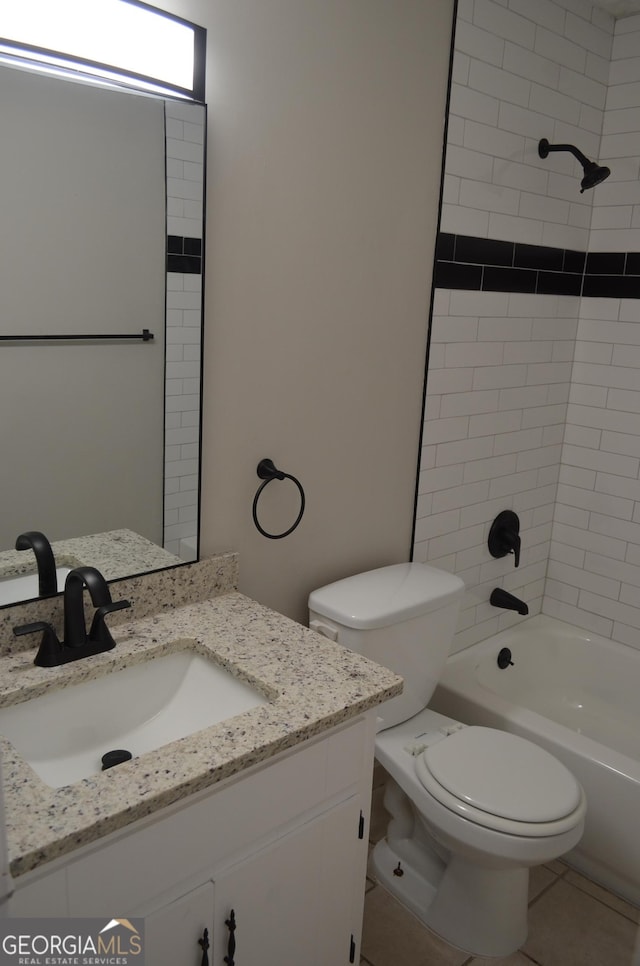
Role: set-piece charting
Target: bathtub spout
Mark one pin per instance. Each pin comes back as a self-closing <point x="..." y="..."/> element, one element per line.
<point x="502" y="598"/>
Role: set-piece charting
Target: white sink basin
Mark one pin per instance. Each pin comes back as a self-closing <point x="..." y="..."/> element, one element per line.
<point x="64" y="734"/>
<point x="14" y="589"/>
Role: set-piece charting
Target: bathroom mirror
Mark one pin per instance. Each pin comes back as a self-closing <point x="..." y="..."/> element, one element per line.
<point x="102" y="226"/>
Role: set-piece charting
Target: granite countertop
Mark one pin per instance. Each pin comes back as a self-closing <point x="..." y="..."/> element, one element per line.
<point x="116" y="553"/>
<point x="312" y="685"/>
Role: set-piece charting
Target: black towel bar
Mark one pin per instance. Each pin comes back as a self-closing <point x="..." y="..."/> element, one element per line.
<point x="145" y="336"/>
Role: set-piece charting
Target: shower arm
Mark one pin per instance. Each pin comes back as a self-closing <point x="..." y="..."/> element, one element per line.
<point x="545" y="148"/>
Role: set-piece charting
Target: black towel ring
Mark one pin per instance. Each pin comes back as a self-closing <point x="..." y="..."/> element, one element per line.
<point x="268" y="472"/>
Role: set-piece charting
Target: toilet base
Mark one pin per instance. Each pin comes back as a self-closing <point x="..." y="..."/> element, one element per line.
<point x="481" y="911"/>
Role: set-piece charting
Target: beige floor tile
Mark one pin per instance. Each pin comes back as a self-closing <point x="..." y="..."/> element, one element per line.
<point x="393" y="937"/>
<point x="516" y="959"/>
<point x="609" y="899"/>
<point x="540" y="878"/>
<point x="568" y="927"/>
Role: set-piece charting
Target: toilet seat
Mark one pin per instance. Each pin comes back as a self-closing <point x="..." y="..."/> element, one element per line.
<point x="502" y="782"/>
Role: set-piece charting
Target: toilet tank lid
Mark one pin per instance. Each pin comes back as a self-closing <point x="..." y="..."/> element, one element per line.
<point x="386" y="595"/>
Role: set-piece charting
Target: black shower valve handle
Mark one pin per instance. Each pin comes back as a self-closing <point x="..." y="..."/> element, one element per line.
<point x="504" y="536"/>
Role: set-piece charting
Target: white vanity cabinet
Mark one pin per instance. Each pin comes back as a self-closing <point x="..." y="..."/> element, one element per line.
<point x="283" y="844"/>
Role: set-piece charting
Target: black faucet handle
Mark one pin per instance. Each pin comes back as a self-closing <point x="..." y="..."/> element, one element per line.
<point x="99" y="632"/>
<point x="517" y="542"/>
<point x="49" y="651"/>
<point x="504" y="536"/>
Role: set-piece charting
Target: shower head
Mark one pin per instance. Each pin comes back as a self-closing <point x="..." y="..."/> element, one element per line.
<point x="594" y="173"/>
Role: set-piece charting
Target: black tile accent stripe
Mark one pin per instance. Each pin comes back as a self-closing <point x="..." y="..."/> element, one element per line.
<point x="489" y="265"/>
<point x="184" y="255"/>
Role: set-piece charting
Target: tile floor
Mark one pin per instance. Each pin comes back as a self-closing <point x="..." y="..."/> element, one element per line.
<point x="572" y="922"/>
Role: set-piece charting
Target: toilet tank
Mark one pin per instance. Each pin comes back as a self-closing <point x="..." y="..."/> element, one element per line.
<point x="403" y="617"/>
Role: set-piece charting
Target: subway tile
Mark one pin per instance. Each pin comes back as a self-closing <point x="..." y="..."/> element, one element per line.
<point x="441" y="381"/>
<point x="594" y="542"/>
<point x="556" y="590"/>
<point x="469" y="403"/>
<point x="499" y="377"/>
<point x="485" y="251"/>
<point x="492" y="423"/>
<point x="515" y="442"/>
<point x="437" y="524"/>
<point x="445" y="246"/>
<point x="539" y="257"/>
<point x="504" y="23"/>
<point x="560" y="50"/>
<point x="620" y="610"/>
<point x="582" y="436"/>
<point x="581" y="87"/>
<point x="589" y="36"/>
<point x="451" y="328"/>
<point x="541" y="456"/>
<point x="490" y="467"/>
<point x="582" y="579"/>
<point x="513" y="483"/>
<point x="457" y="497"/>
<point x="468" y="103"/>
<point x="529" y="231"/>
<point x="523" y="397"/>
<point x="477" y="42"/>
<point x="438" y="479"/>
<point x="530" y="65"/>
<point x="490" y="140"/>
<point x="617" y="569"/>
<point x="498" y="83"/>
<point x="460" y="451"/>
<point x="544" y="373"/>
<point x="544" y="416"/>
<point x="454" y="275"/>
<point x="618" y="465"/>
<point x="446" y="430"/>
<point x="613" y="376"/>
<point x="594" y="501"/>
<point x="509" y="280"/>
<point x="555" y="104"/>
<point x="615" y="527"/>
<point x="480" y="304"/>
<point x="473" y="354"/>
<point x="626" y="401"/>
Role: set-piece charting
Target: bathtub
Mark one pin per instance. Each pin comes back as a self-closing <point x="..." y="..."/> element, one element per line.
<point x="578" y="696"/>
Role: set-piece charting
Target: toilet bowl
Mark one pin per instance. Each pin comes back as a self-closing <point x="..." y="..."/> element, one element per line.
<point x="471" y="809"/>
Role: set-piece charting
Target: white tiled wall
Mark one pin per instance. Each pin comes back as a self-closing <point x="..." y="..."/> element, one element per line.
<point x="500" y="370"/>
<point x="524" y="71"/>
<point x="185" y="189"/>
<point x="615" y="222"/>
<point x="499" y="377"/>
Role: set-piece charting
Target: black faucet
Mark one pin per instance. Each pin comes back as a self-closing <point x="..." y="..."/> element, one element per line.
<point x="77" y="643"/>
<point x="47" y="578"/>
<point x="502" y="598"/>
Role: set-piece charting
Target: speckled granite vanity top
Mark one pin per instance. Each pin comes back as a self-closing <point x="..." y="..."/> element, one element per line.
<point x="311" y="683"/>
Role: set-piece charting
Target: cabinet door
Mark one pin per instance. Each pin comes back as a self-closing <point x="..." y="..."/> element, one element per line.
<point x="292" y="902"/>
<point x="171" y="933"/>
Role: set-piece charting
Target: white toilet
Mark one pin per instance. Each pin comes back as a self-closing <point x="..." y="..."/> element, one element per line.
<point x="471" y="808"/>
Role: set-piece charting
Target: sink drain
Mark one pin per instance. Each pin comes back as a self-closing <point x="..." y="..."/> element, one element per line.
<point x="115" y="758"/>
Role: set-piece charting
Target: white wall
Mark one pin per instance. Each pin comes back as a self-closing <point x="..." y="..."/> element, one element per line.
<point x="325" y="124"/>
